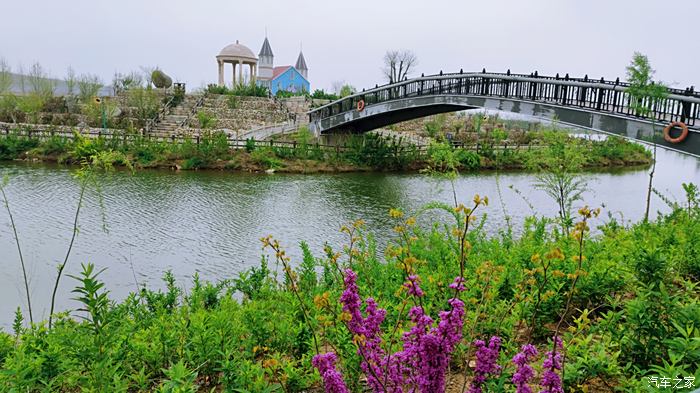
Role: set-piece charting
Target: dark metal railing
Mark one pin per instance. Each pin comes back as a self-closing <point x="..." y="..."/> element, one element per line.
<point x="588" y="94"/>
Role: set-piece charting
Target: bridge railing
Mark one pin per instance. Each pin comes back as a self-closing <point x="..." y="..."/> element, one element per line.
<point x="597" y="95"/>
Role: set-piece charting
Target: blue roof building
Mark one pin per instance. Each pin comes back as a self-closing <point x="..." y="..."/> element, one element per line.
<point x="287" y="78"/>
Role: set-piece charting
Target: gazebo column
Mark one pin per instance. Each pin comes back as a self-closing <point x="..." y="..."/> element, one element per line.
<point x="221" y="73"/>
<point x="233" y="74"/>
<point x="253" y="72"/>
<point x="240" y="71"/>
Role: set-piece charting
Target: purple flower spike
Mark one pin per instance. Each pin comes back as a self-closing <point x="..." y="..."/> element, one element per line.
<point x="458" y="284"/>
<point x="422" y="363"/>
<point x="524" y="372"/>
<point x="486" y="363"/>
<point x="332" y="379"/>
<point x="552" y="362"/>
<point x="413" y="286"/>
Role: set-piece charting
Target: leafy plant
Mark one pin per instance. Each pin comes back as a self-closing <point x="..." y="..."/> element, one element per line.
<point x="206" y="119"/>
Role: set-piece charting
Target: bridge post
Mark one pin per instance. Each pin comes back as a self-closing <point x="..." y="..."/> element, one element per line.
<point x="556" y="89"/>
<point x="582" y="93"/>
<point x="685" y="110"/>
<point x="565" y="90"/>
<point x="601" y="92"/>
<point x="617" y="83"/>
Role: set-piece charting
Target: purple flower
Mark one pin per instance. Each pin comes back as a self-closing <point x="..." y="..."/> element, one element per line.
<point x="422" y="363"/>
<point x="552" y="362"/>
<point x="413" y="286"/>
<point x="524" y="372"/>
<point x="458" y="284"/>
<point x="367" y="329"/>
<point x="486" y="358"/>
<point x="427" y="348"/>
<point x="332" y="379"/>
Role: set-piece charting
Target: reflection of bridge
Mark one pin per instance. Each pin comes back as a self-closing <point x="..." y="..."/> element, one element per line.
<point x="595" y="104"/>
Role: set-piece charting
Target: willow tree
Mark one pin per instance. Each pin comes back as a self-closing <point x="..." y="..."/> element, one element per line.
<point x="645" y="95"/>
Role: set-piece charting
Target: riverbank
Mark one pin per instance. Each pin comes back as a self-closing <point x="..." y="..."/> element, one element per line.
<point x="605" y="288"/>
<point x="368" y="152"/>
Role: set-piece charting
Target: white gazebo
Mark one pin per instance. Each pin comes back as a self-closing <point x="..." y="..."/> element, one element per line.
<point x="237" y="55"/>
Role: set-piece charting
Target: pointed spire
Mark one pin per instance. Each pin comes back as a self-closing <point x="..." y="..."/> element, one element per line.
<point x="266" y="50"/>
<point x="301" y="62"/>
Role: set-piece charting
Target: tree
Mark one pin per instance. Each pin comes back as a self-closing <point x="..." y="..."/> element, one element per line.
<point x="71" y="81"/>
<point x="336" y="86"/>
<point x="347" y="90"/>
<point x="645" y="95"/>
<point x="124" y="82"/>
<point x="160" y="79"/>
<point x="397" y="64"/>
<point x="88" y="86"/>
<point x="39" y="81"/>
<point x="5" y="77"/>
<point x="144" y="104"/>
<point x="147" y="72"/>
<point x="559" y="166"/>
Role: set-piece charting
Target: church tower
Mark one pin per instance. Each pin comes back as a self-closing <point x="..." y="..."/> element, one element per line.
<point x="301" y="66"/>
<point x="265" y="61"/>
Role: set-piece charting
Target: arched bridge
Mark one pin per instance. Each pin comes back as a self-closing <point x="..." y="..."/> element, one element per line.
<point x="594" y="104"/>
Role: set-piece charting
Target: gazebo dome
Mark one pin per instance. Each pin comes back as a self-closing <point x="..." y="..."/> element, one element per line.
<point x="238" y="51"/>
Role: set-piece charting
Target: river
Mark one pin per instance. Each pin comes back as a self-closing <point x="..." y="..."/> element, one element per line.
<point x="140" y="225"/>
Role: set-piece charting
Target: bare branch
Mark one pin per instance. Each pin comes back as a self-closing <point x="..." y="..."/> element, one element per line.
<point x="397" y="64"/>
<point x="5" y="77"/>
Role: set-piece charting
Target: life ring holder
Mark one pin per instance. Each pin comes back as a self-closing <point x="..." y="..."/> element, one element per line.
<point x="360" y="105"/>
<point x="680" y="138"/>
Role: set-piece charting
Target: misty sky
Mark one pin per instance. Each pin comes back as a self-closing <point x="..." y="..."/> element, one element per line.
<point x="346" y="40"/>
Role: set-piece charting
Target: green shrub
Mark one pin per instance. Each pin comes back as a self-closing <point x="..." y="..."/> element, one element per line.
<point x="267" y="158"/>
<point x="468" y="160"/>
<point x="206" y="119"/>
<point x="232" y="102"/>
<point x="12" y="146"/>
<point x="320" y="94"/>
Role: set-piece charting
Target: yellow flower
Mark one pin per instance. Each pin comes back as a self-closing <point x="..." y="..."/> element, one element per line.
<point x="554" y="254"/>
<point x="345" y="316"/>
<point x="322" y="301"/>
<point x="359" y="339"/>
<point x="585" y="212"/>
<point x="477" y="199"/>
<point x="394" y="213"/>
<point x="411" y="221"/>
<point x="269" y="363"/>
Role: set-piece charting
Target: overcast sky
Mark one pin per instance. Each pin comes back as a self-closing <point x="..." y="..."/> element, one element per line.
<point x="346" y="40"/>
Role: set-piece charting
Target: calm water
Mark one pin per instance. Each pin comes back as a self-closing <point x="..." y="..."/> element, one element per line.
<point x="211" y="222"/>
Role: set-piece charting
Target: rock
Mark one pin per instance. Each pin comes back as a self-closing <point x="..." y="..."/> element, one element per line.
<point x="270" y="171"/>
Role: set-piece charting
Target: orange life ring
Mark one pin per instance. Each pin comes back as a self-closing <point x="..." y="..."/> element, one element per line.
<point x="681" y="137"/>
<point x="360" y="105"/>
